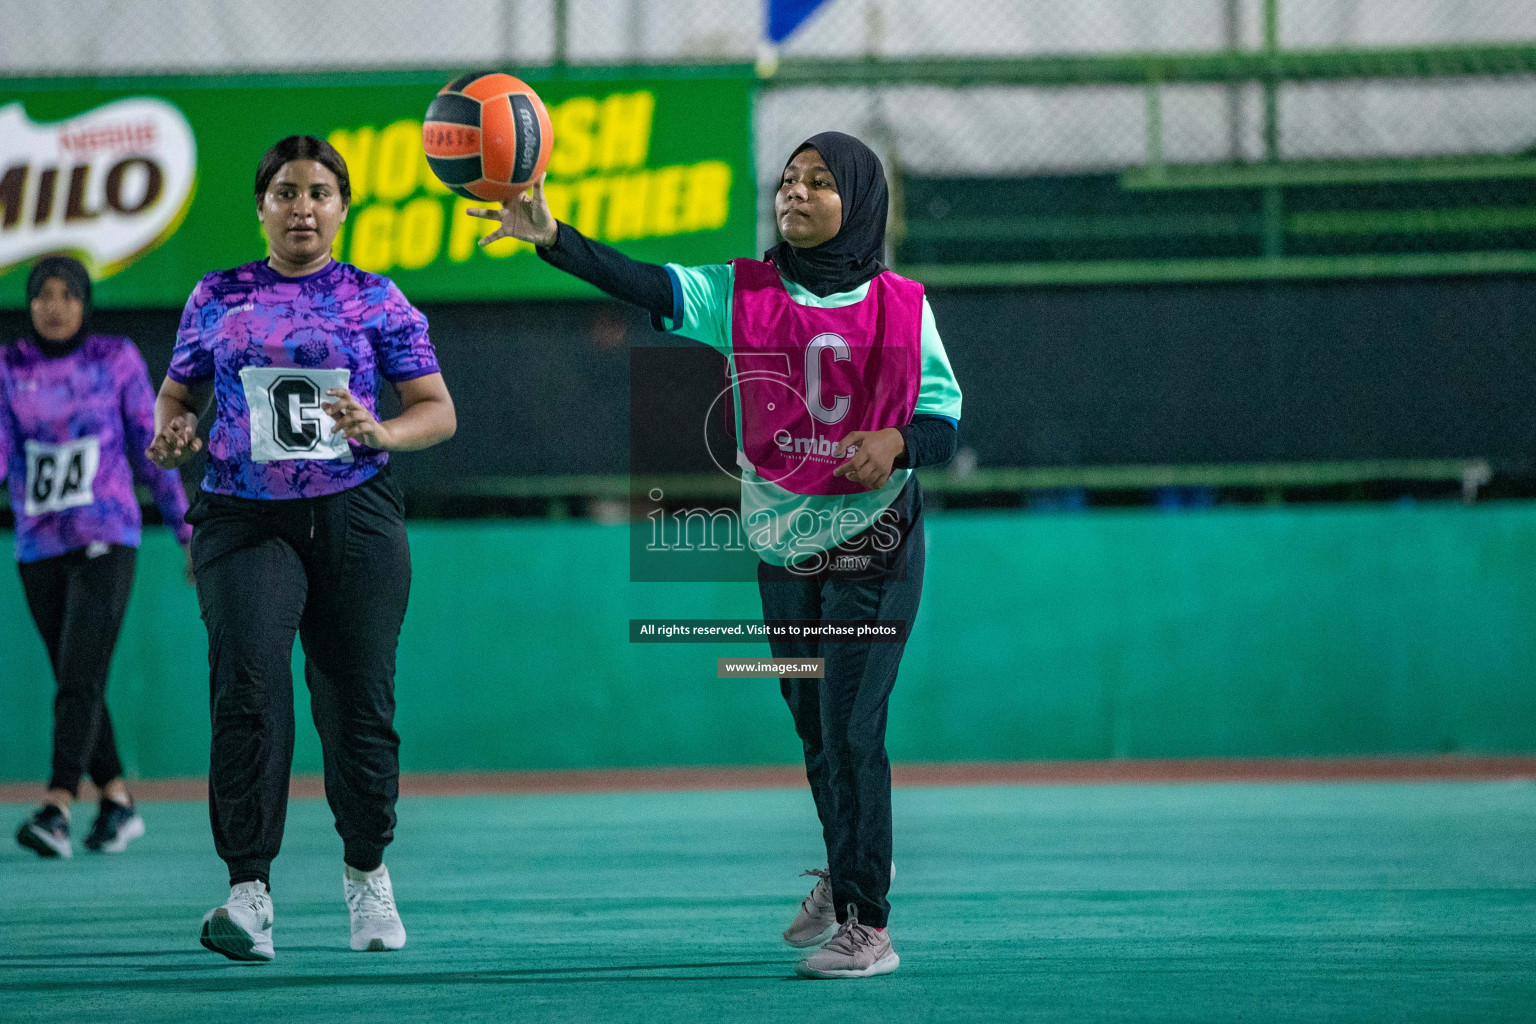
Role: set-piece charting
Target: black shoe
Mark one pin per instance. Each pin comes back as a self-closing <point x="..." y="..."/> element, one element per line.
<point x="115" y="827"/>
<point x="46" y="832"/>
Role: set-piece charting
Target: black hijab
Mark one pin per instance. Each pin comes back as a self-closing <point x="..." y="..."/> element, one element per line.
<point x="77" y="281"/>
<point x="852" y="256"/>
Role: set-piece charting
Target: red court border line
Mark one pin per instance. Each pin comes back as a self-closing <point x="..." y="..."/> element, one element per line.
<point x="958" y="773"/>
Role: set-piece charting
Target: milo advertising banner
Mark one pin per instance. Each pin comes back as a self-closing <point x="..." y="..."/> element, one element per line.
<point x="150" y="181"/>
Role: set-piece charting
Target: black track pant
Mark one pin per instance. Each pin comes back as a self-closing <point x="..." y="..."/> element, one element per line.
<point x="78" y="603"/>
<point x="335" y="570"/>
<point x="841" y="719"/>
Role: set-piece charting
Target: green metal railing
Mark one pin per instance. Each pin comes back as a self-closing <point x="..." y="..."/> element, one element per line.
<point x="1259" y="268"/>
<point x="1223" y="68"/>
<point x="1469" y="473"/>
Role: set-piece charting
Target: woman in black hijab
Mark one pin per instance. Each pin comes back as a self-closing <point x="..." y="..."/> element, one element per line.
<point x="829" y="502"/>
<point x="853" y="255"/>
<point x="73" y="281"/>
<point x="76" y="413"/>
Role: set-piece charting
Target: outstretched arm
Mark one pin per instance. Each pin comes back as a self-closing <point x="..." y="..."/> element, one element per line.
<point x="527" y="217"/>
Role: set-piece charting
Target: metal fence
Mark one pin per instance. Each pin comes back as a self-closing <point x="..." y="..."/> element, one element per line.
<point x="1044" y="139"/>
<point x="95" y="36"/>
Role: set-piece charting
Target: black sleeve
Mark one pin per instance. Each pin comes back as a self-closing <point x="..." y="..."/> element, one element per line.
<point x="647" y="285"/>
<point x="931" y="441"/>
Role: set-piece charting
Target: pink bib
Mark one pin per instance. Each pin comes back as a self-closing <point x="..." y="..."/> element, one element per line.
<point x="806" y="377"/>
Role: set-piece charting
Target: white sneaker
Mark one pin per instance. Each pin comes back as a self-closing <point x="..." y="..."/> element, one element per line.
<point x="376" y="923"/>
<point x="242" y="928"/>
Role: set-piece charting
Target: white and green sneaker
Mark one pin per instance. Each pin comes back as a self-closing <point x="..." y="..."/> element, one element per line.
<point x="242" y="928"/>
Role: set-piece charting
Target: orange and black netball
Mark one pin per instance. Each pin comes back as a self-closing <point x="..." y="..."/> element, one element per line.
<point x="487" y="136"/>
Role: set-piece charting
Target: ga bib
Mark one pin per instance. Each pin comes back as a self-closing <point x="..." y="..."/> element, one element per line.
<point x="286" y="419"/>
<point x="59" y="476"/>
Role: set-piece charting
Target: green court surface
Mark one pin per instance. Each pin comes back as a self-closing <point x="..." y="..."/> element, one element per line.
<point x="1295" y="902"/>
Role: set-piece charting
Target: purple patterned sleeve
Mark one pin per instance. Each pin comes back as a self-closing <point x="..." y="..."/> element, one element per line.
<point x="407" y="351"/>
<point x="192" y="360"/>
<point x="6" y="433"/>
<point x="138" y="431"/>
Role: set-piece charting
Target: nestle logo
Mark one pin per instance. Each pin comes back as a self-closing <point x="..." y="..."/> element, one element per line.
<point x="130" y="136"/>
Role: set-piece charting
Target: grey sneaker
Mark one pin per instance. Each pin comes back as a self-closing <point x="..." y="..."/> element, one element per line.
<point x="856" y="951"/>
<point x="816" y="921"/>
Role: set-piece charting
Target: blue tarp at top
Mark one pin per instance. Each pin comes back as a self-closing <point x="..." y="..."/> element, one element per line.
<point x="784" y="16"/>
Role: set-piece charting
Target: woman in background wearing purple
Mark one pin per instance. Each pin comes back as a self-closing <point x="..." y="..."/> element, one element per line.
<point x="76" y="413"/>
<point x="300" y="529"/>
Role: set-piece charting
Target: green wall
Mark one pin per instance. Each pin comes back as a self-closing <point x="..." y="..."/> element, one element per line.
<point x="1328" y="630"/>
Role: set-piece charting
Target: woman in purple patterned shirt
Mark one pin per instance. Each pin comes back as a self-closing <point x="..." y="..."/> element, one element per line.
<point x="76" y="410"/>
<point x="299" y="529"/>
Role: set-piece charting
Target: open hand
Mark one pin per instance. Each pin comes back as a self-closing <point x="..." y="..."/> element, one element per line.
<point x="526" y="217"/>
<point x="176" y="443"/>
<point x="354" y="421"/>
<point x="871" y="455"/>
